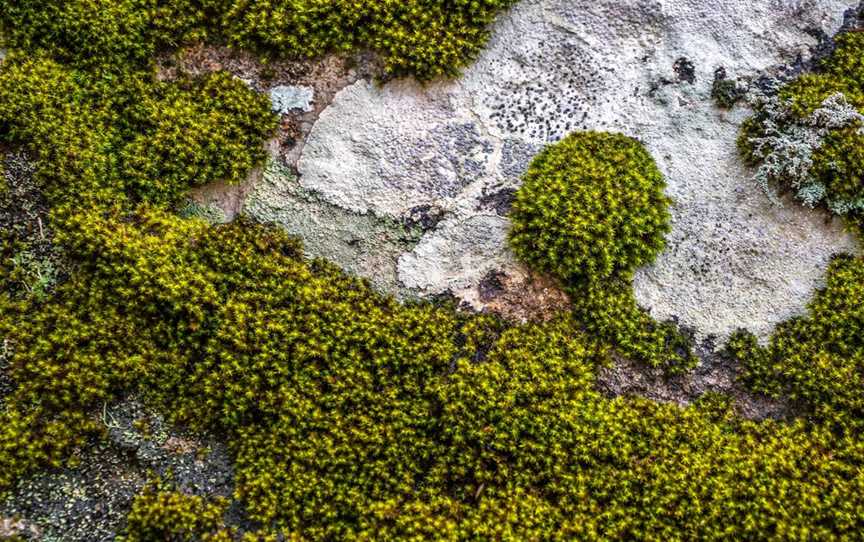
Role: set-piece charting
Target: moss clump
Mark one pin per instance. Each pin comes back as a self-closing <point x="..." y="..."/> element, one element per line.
<point x="193" y="132"/>
<point x="590" y="207"/>
<point x="839" y="165"/>
<point x="608" y="310"/>
<point x="116" y="140"/>
<point x="842" y="72"/>
<point x="808" y="137"/>
<point x="817" y="360"/>
<point x="161" y="513"/>
<point x="87" y="32"/>
<point x="590" y="211"/>
<point x="725" y="93"/>
<point x="425" y="38"/>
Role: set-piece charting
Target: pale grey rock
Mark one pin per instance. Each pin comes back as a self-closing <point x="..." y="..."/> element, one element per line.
<point x="642" y="67"/>
<point x="462" y="252"/>
<point x="286" y="98"/>
<point x="364" y="245"/>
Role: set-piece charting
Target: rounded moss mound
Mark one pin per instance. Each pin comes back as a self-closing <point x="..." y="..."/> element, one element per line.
<point x="591" y="206"/>
<point x="590" y="211"/>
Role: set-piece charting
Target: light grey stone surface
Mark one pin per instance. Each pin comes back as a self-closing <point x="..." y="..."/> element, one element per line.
<point x="286" y="98"/>
<point x="642" y="67"/>
<point x="361" y="244"/>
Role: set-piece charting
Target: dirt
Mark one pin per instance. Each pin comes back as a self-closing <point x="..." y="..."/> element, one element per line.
<point x="522" y="298"/>
<point x="716" y="373"/>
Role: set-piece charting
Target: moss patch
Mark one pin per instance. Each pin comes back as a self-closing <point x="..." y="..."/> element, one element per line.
<point x="808" y="138"/>
<point x="592" y="210"/>
<point x="351" y="416"/>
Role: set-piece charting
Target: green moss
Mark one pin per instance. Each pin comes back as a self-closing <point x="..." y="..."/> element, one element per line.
<point x="590" y="211"/>
<point x="833" y="169"/>
<point x="161" y="513"/>
<point x="726" y="92"/>
<point x="817" y="360"/>
<point x="841" y="72"/>
<point x="350" y="415"/>
<point x="839" y="164"/>
<point x="425" y="38"/>
<point x="99" y="136"/>
<point x="590" y="207"/>
<point x="83" y="31"/>
<point x="608" y="310"/>
<point x="195" y="132"/>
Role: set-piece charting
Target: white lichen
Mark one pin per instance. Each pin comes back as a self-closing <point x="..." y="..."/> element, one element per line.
<point x="789" y="142"/>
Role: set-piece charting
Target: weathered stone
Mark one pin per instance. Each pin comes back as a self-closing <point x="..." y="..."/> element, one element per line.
<point x="554" y="66"/>
<point x="364" y="245"/>
<point x="288" y="98"/>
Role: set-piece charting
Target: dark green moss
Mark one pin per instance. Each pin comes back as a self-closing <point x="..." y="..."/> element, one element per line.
<point x="160" y="512"/>
<point x="726" y="92"/>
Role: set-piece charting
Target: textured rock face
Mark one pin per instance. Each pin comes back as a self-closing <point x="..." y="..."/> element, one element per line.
<point x="641" y="67"/>
<point x="286" y="98"/>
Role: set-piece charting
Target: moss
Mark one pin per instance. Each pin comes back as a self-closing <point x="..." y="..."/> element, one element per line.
<point x="818" y="359"/>
<point x="101" y="138"/>
<point x="590" y="211"/>
<point x="161" y="513"/>
<point x="726" y="92"/>
<point x="839" y="164"/>
<point x="590" y="207"/>
<point x="841" y="72"/>
<point x="608" y="310"/>
<point x="83" y="31"/>
<point x="425" y="38"/>
<point x="195" y="132"/>
<point x="348" y="414"/>
<point x="816" y="104"/>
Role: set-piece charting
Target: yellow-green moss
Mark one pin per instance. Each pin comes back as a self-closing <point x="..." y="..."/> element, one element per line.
<point x="591" y="210"/>
<point x="160" y="513"/>
<point x="349" y="415"/>
<point x="817" y="359"/>
<point x="99" y="137"/>
<point x="425" y="38"/>
<point x="590" y="207"/>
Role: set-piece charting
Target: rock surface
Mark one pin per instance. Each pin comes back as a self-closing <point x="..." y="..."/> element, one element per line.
<point x="286" y="98"/>
<point x="642" y="67"/>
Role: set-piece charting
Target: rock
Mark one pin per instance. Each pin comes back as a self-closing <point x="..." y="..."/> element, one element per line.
<point x="456" y="255"/>
<point x="287" y="98"/>
<point x="554" y="66"/>
<point x="362" y="244"/>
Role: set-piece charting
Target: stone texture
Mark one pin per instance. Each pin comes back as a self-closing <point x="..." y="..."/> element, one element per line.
<point x="361" y="244"/>
<point x="642" y="67"/>
<point x="286" y="98"/>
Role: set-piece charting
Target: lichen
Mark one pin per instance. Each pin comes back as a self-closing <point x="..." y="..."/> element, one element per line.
<point x="807" y="134"/>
